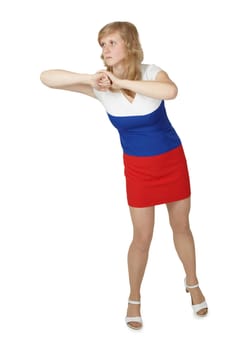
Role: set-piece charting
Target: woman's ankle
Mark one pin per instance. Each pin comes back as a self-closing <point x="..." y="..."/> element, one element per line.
<point x="135" y="296"/>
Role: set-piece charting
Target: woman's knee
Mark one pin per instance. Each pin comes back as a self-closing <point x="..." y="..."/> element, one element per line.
<point x="142" y="240"/>
<point x="180" y="225"/>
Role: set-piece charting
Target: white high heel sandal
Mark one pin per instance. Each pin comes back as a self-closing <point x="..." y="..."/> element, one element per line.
<point x="197" y="307"/>
<point x="137" y="319"/>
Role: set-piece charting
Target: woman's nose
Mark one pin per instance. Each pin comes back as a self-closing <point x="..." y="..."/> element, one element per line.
<point x="106" y="48"/>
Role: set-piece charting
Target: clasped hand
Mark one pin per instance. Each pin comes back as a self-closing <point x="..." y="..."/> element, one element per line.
<point x="104" y="80"/>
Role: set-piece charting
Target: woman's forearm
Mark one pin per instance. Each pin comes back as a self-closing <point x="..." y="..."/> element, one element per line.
<point x="153" y="89"/>
<point x="61" y="78"/>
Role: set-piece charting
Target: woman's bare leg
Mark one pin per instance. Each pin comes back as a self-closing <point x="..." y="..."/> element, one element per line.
<point x="184" y="244"/>
<point x="143" y="224"/>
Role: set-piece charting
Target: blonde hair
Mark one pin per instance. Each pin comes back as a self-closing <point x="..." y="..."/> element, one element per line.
<point x="130" y="36"/>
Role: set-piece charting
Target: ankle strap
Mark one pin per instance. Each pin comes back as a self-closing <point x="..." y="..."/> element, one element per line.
<point x="134" y="302"/>
<point x="191" y="287"/>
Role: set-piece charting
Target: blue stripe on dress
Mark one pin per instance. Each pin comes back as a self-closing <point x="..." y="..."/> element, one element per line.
<point x="147" y="135"/>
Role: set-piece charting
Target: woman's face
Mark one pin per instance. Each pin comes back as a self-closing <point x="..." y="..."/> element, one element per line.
<point x="114" y="50"/>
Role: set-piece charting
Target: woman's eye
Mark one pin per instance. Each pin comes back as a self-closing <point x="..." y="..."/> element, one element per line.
<point x="111" y="43"/>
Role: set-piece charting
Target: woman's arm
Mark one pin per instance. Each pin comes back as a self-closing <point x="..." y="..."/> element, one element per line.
<point x="162" y="87"/>
<point x="65" y="80"/>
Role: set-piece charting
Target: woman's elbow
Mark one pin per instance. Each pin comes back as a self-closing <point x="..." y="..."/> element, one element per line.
<point x="46" y="79"/>
<point x="172" y="93"/>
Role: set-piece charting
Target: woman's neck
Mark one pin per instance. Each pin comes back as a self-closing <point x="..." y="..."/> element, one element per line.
<point x="119" y="70"/>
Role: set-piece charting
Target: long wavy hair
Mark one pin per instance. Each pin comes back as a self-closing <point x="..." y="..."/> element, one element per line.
<point x="130" y="36"/>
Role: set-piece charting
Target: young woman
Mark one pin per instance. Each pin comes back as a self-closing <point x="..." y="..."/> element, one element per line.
<point x="133" y="95"/>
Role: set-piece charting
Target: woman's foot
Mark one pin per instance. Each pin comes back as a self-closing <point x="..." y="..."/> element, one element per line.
<point x="133" y="318"/>
<point x="198" y="301"/>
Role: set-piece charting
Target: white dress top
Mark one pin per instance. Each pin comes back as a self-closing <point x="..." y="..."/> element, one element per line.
<point x="116" y="103"/>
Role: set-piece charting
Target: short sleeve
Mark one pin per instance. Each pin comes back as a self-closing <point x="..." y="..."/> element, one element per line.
<point x="151" y="71"/>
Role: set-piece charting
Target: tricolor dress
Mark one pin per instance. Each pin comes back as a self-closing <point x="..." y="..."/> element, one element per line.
<point x="154" y="162"/>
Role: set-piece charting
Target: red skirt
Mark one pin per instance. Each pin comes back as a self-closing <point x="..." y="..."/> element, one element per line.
<point x="157" y="179"/>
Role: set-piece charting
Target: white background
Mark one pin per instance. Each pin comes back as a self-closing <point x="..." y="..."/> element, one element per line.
<point x="65" y="226"/>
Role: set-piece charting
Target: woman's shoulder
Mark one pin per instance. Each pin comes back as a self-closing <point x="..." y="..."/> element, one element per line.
<point x="149" y="71"/>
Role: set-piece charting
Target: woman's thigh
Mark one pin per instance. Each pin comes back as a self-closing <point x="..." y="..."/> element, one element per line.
<point x="179" y="214"/>
<point x="142" y="218"/>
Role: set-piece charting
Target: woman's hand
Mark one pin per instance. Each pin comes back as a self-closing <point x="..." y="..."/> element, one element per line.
<point x="100" y="81"/>
<point x="115" y="82"/>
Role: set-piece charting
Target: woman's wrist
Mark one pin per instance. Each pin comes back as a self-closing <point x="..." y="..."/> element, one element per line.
<point x="86" y="79"/>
